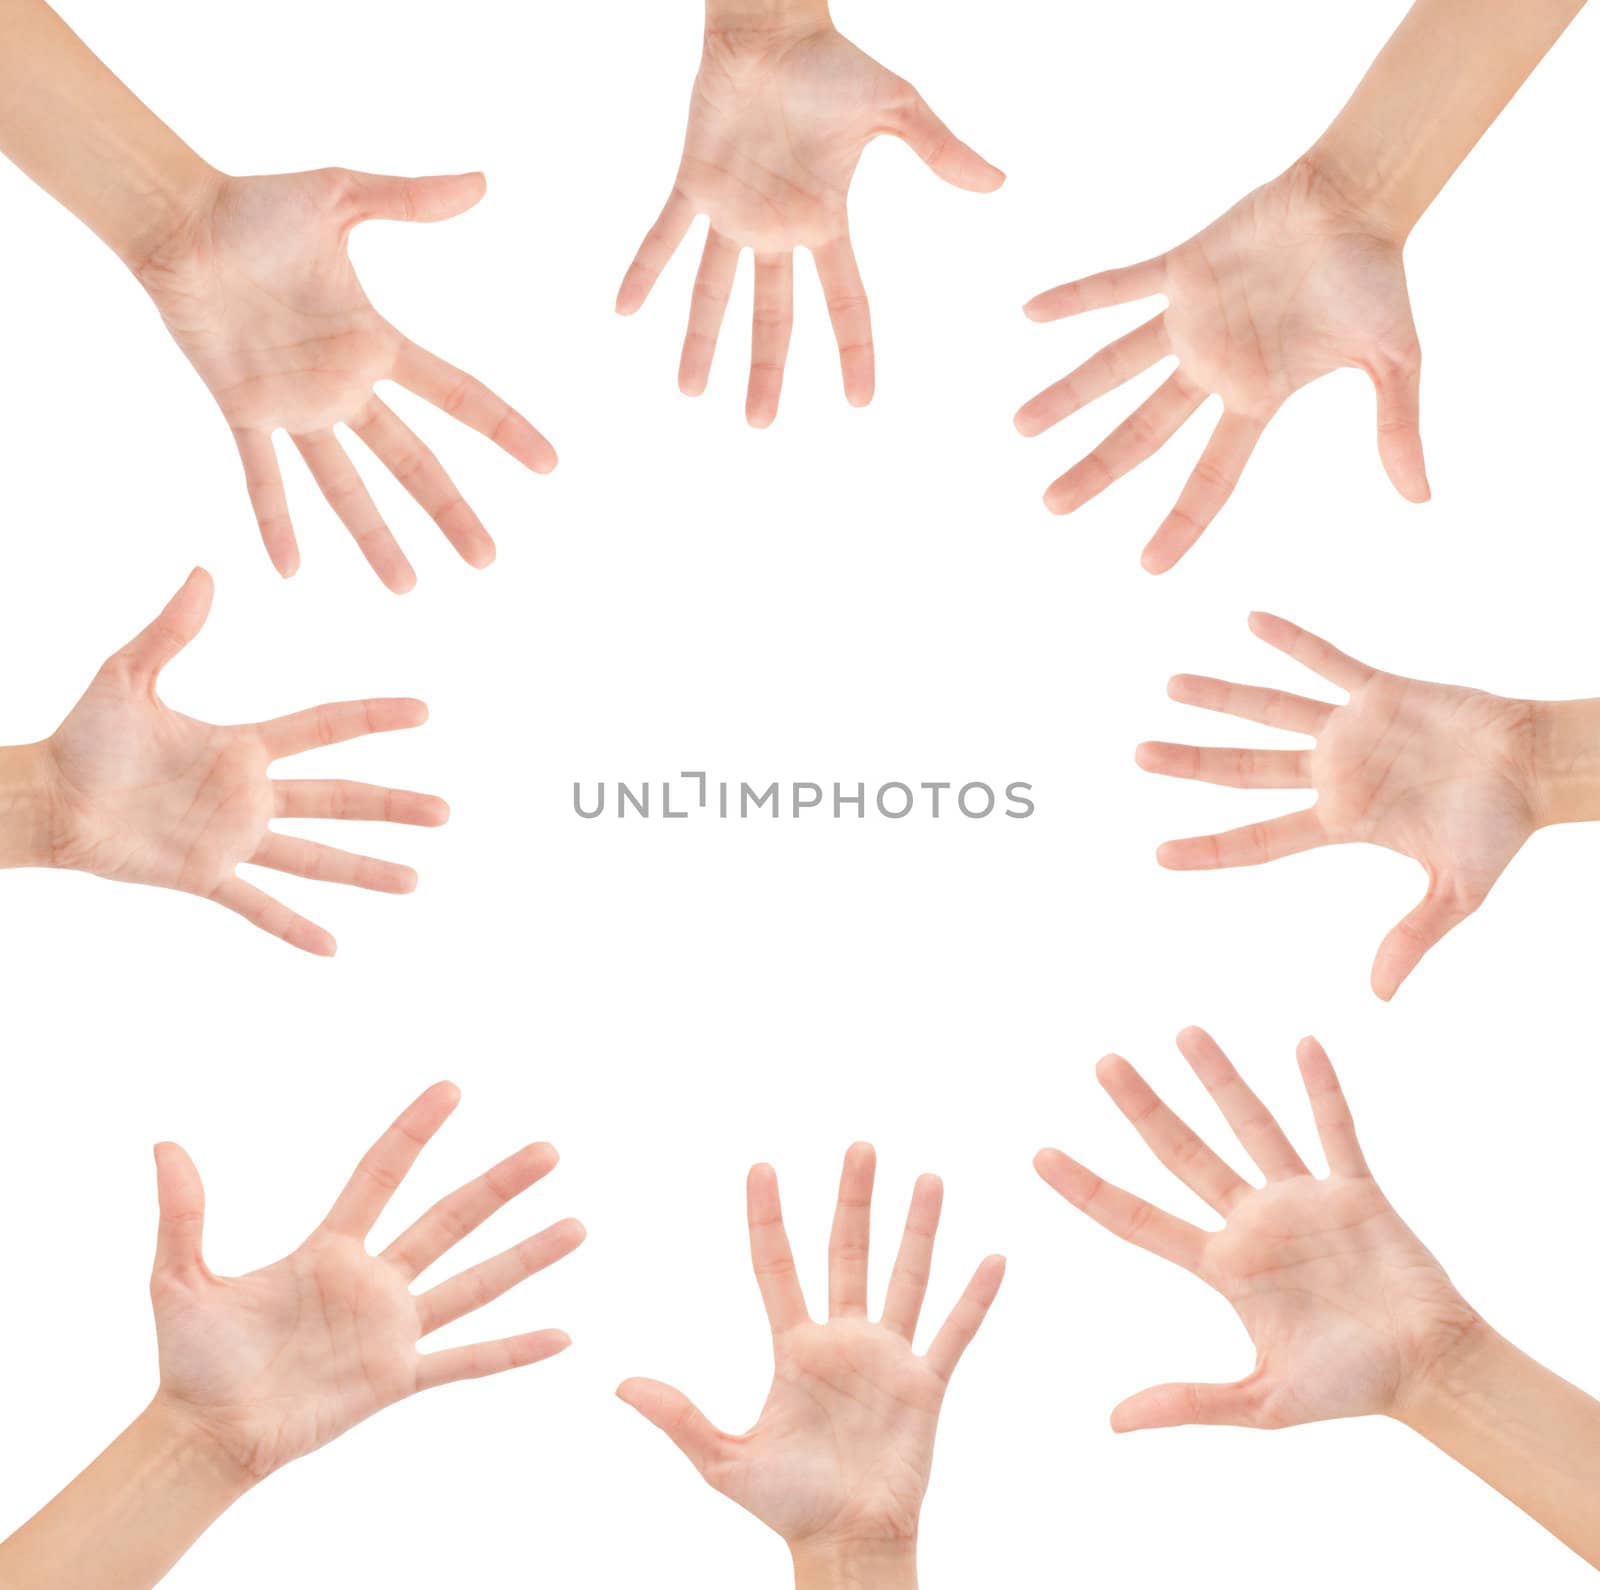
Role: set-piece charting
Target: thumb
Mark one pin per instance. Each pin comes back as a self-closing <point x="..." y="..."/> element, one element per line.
<point x="1442" y="907"/>
<point x="373" y="198"/>
<point x="174" y="627"/>
<point x="1399" y="384"/>
<point x="678" y="1419"/>
<point x="1163" y="1407"/>
<point x="183" y="1209"/>
<point x="944" y="154"/>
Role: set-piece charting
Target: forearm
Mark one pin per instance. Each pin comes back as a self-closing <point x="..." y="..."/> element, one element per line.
<point x="1566" y="761"/>
<point x="130" y="1515"/>
<point x="886" y="1565"/>
<point x="1450" y="69"/>
<point x="87" y="141"/>
<point x="28" y="818"/>
<point x="1524" y="1430"/>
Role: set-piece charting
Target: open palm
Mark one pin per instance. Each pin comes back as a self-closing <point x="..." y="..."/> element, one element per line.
<point x="842" y="1451"/>
<point x="276" y="1363"/>
<point x="1289" y="285"/>
<point x="1441" y="774"/>
<point x="1345" y="1307"/>
<point x="147" y="795"/>
<point x="262" y="298"/>
<point x="777" y="123"/>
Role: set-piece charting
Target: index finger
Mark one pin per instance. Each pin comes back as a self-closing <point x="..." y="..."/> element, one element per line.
<point x="1250" y="846"/>
<point x="384" y="1166"/>
<point x="1120" y="1212"/>
<point x="770" y="1255"/>
<point x="908" y="1283"/>
<point x="846" y="295"/>
<point x="1208" y="488"/>
<point x="465" y="398"/>
<point x="338" y="720"/>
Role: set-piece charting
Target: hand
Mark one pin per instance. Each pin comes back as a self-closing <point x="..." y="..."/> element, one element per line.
<point x="260" y="294"/>
<point x="1441" y="774"/>
<point x="1289" y="284"/>
<point x="839" y="1459"/>
<point x="274" y="1364"/>
<point x="1346" y="1308"/>
<point x="777" y="122"/>
<point x="145" y="795"/>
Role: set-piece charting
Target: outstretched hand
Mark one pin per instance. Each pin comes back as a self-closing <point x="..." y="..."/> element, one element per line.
<point x="1346" y="1308"/>
<point x="261" y="296"/>
<point x="840" y="1457"/>
<point x="274" y="1364"/>
<point x="1439" y="773"/>
<point x="143" y="794"/>
<point x="777" y="123"/>
<point x="1289" y="285"/>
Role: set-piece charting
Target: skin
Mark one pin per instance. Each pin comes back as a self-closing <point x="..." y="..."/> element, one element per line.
<point x="1349" y="1314"/>
<point x="1290" y="284"/>
<point x="838" y="1462"/>
<point x="259" y="292"/>
<point x="1345" y="1306"/>
<point x="132" y="791"/>
<point x="781" y="110"/>
<point x="1303" y="276"/>
<point x="252" y="277"/>
<point x="1457" y="779"/>
<point x="260" y="1369"/>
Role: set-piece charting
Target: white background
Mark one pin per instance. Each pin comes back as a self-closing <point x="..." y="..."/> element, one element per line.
<point x="853" y="596"/>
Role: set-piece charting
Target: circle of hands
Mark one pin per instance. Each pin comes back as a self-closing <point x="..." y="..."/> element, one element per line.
<point x="1346" y="1308"/>
<point x="777" y="124"/>
<point x="143" y="794"/>
<point x="1437" y="772"/>
<point x="1292" y="283"/>
<point x="261" y="296"/>
<point x="841" y="1453"/>
<point x="271" y="1365"/>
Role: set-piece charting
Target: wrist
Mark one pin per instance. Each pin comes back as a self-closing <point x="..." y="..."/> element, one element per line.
<point x="132" y="1513"/>
<point x="196" y="1463"/>
<point x="1458" y="1385"/>
<point x="734" y="17"/>
<point x="31" y="813"/>
<point x="179" y="211"/>
<point x="855" y="1565"/>
<point x="1347" y="193"/>
<point x="1565" y="786"/>
<point x="180" y="205"/>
